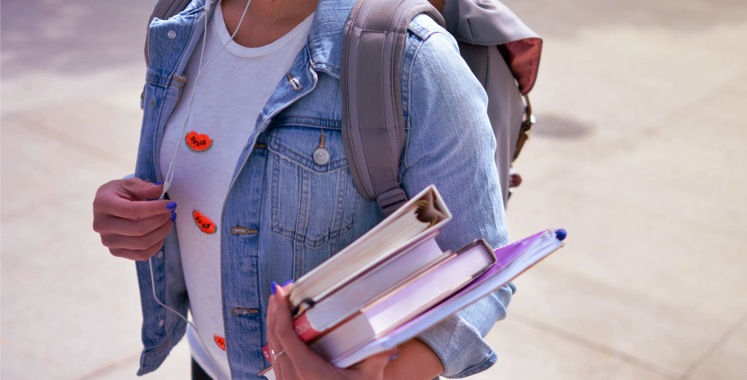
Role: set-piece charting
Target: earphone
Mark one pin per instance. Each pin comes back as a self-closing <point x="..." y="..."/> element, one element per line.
<point x="172" y="164"/>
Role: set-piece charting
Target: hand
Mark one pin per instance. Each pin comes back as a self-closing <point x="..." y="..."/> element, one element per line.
<point x="296" y="361"/>
<point x="131" y="225"/>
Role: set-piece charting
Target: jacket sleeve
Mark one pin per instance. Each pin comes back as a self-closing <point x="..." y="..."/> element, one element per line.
<point x="450" y="144"/>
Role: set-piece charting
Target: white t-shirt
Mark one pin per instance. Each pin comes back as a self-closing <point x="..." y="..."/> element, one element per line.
<point x="233" y="86"/>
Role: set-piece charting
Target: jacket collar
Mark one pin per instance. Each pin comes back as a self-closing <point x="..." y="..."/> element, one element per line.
<point x="325" y="38"/>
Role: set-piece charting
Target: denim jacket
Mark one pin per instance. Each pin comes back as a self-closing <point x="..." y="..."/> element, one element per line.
<point x="285" y="214"/>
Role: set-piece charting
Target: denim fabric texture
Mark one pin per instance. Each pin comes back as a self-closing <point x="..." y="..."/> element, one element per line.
<point x="285" y="214"/>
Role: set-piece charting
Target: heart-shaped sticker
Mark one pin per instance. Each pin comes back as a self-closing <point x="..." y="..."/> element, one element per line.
<point x="198" y="142"/>
<point x="203" y="222"/>
<point x="220" y="341"/>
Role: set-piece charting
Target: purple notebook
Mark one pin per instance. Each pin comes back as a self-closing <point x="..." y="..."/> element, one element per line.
<point x="512" y="260"/>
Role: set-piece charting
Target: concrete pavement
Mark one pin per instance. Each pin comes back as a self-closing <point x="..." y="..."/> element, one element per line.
<point x="639" y="153"/>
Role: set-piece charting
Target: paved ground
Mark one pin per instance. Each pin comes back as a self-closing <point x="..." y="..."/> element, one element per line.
<point x="640" y="153"/>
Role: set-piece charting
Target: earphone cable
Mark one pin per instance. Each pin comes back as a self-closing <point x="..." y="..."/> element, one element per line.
<point x="172" y="165"/>
<point x="213" y="363"/>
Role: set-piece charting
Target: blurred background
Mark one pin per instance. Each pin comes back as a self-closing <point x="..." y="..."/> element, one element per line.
<point x="640" y="152"/>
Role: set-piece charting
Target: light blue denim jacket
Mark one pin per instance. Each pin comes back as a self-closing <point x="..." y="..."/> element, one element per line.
<point x="284" y="214"/>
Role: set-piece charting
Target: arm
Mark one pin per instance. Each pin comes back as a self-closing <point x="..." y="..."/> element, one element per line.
<point x="451" y="144"/>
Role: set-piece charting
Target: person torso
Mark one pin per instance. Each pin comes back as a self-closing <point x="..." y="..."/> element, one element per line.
<point x="283" y="212"/>
<point x="210" y="126"/>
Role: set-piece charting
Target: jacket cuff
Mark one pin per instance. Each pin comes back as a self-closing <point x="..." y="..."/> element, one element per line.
<point x="458" y="340"/>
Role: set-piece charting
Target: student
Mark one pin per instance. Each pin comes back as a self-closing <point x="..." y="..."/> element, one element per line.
<point x="245" y="94"/>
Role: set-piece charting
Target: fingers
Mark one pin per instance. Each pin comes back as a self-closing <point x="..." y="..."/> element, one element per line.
<point x="109" y="224"/>
<point x="137" y="254"/>
<point x="127" y="199"/>
<point x="137" y="247"/>
<point x="281" y="362"/>
<point x="143" y="190"/>
<point x="298" y="358"/>
<point x="283" y="323"/>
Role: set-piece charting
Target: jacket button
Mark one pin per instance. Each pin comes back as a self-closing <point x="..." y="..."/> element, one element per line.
<point x="243" y="231"/>
<point x="159" y="255"/>
<point x="294" y="82"/>
<point x="160" y="323"/>
<point x="238" y="311"/>
<point x="172" y="34"/>
<point x="321" y="156"/>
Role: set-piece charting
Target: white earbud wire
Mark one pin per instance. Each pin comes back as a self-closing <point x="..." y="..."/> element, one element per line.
<point x="172" y="165"/>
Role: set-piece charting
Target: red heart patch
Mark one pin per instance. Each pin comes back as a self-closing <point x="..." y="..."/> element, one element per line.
<point x="221" y="342"/>
<point x="198" y="142"/>
<point x="203" y="222"/>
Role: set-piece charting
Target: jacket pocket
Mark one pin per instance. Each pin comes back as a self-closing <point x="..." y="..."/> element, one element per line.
<point x="313" y="199"/>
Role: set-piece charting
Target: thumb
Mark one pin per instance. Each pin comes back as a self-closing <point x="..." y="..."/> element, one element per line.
<point x="373" y="366"/>
<point x="137" y="189"/>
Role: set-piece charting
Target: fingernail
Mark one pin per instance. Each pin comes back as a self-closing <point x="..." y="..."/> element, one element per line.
<point x="171" y="206"/>
<point x="274" y="287"/>
<point x="394" y="355"/>
<point x="287" y="283"/>
<point x="172" y="218"/>
<point x="158" y="183"/>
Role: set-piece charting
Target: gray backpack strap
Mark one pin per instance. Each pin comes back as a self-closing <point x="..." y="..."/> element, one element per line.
<point x="372" y="116"/>
<point x="163" y="10"/>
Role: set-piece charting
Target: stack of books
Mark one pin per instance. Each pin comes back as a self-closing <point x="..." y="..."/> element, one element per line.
<point x="395" y="282"/>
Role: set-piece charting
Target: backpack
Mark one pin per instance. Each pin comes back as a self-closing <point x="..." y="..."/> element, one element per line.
<point x="501" y="51"/>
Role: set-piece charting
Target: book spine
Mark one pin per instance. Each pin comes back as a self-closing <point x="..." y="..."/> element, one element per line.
<point x="304" y="329"/>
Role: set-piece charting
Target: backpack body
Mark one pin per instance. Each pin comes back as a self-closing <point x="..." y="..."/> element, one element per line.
<point x="506" y="106"/>
<point x="501" y="51"/>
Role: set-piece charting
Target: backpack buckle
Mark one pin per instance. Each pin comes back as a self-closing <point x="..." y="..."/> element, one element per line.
<point x="391" y="200"/>
<point x="526" y="127"/>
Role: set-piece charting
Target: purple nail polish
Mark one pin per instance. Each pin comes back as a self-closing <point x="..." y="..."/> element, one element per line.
<point x="274" y="287"/>
<point x="287" y="283"/>
<point x="171" y="206"/>
<point x="172" y="218"/>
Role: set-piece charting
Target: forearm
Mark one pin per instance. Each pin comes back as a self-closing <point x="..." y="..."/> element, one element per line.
<point x="415" y="361"/>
